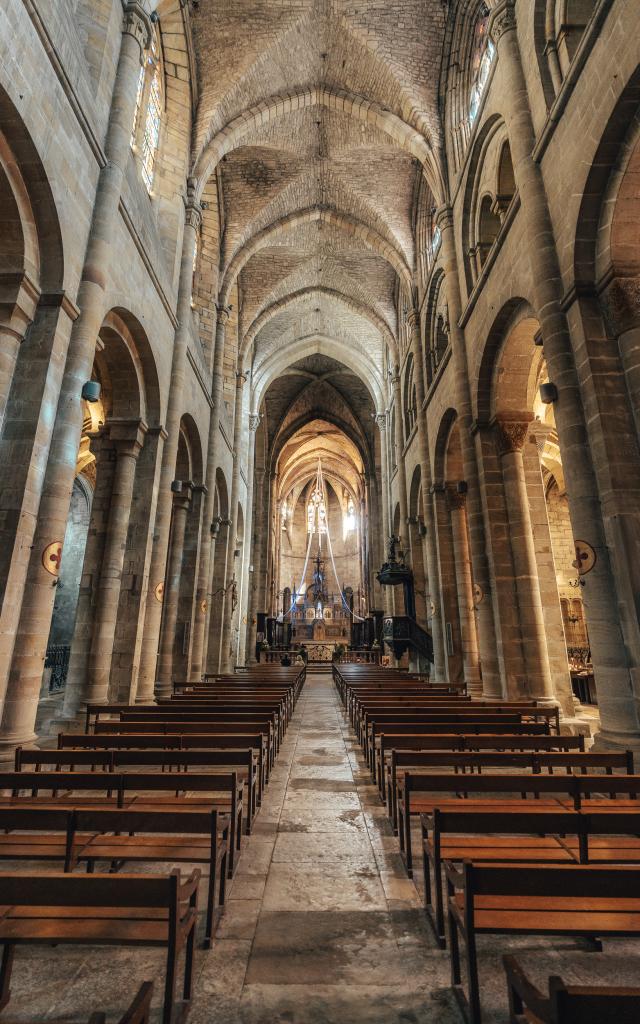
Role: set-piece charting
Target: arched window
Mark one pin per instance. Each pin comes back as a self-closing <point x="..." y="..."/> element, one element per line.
<point x="481" y="61"/>
<point x="349" y="519"/>
<point x="145" y="135"/>
<point x="316" y="513"/>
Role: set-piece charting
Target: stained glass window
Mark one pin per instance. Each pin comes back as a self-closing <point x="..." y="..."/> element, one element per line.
<point x="316" y="513"/>
<point x="483" y="54"/>
<point x="152" y="129"/>
<point x="145" y="134"/>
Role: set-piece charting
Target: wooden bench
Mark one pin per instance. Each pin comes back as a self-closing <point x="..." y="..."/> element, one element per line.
<point x="428" y="727"/>
<point x="533" y="899"/>
<point x="244" y="762"/>
<point x="475" y="761"/>
<point x="567" y="1004"/>
<point x="171" y="837"/>
<point x="386" y="742"/>
<point x="95" y="910"/>
<point x="173" y="741"/>
<point x="180" y="728"/>
<point x="567" y="791"/>
<point x="221" y="792"/>
<point x="72" y="835"/>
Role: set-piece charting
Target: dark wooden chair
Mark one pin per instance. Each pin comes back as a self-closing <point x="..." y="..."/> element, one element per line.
<point x="113" y="910"/>
<point x="567" y="1004"/>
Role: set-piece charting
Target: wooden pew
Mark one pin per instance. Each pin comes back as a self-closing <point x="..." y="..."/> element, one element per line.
<point x="416" y="742"/>
<point x="182" y="730"/>
<point x="561" y="790"/>
<point x="567" y="1004"/>
<point x="114" y="910"/>
<point x="171" y="837"/>
<point x="172" y="741"/>
<point x="221" y="792"/>
<point x="481" y="725"/>
<point x="525" y="761"/>
<point x="533" y="899"/>
<point x="244" y="762"/>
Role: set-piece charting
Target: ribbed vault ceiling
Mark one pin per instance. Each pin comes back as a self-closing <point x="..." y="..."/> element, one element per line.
<point x="318" y="118"/>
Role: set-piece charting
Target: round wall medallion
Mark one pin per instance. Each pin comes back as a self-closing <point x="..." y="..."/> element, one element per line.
<point x="159" y="591"/>
<point x="478" y="593"/>
<point x="52" y="556"/>
<point x="585" y="557"/>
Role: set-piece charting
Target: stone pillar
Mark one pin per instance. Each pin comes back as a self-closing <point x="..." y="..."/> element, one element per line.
<point x="171" y="596"/>
<point x="447" y="581"/>
<point x="246" y="588"/>
<point x="510" y="438"/>
<point x="464" y="588"/>
<point x="213" y="461"/>
<point x="615" y="678"/>
<point x="381" y="421"/>
<point x="258" y="547"/>
<point x="227" y="656"/>
<point x="271" y="545"/>
<point x="216" y="603"/>
<point x="492" y="686"/>
<point x="433" y="580"/>
<point x="128" y="439"/>
<point x="402" y="477"/>
<point x="162" y="526"/>
<point x="23" y="686"/>
<point x="19" y="296"/>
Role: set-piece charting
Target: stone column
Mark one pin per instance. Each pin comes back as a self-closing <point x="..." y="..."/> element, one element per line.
<point x="246" y="588"/>
<point x="25" y="675"/>
<point x="128" y="439"/>
<point x="19" y="296"/>
<point x="492" y="686"/>
<point x="213" y="461"/>
<point x="464" y="588"/>
<point x="171" y="596"/>
<point x="510" y="438"/>
<point x="227" y="656"/>
<point x="271" y="545"/>
<point x="402" y="478"/>
<point x="433" y="582"/>
<point x="614" y="676"/>
<point x="162" y="526"/>
<point x="258" y="546"/>
<point x="381" y="421"/>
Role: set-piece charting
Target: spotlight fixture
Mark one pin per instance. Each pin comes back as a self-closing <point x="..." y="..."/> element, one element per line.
<point x="176" y="486"/>
<point x="91" y="391"/>
<point x="548" y="393"/>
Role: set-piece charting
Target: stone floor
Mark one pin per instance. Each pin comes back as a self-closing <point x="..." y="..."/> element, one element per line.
<point x="322" y="925"/>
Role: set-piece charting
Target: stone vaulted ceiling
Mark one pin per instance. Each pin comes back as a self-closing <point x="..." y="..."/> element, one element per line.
<point x="317" y="118"/>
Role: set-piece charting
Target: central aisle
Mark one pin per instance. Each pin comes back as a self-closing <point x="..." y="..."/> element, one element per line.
<point x="322" y="925"/>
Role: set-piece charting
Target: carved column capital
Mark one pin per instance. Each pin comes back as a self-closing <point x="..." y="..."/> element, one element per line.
<point x="137" y="23"/>
<point x="413" y="320"/>
<point x="222" y="314"/>
<point x="254" y="422"/>
<point x="128" y="436"/>
<point x="381" y="420"/>
<point x="510" y="435"/>
<point x="455" y="500"/>
<point x="241" y="379"/>
<point x="444" y="217"/>
<point x="503" y="19"/>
